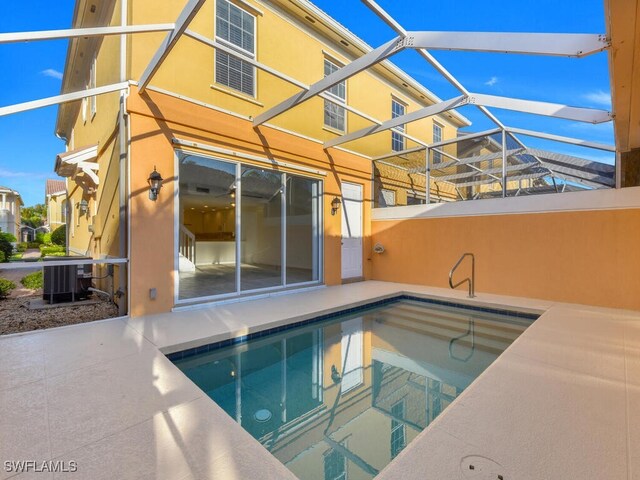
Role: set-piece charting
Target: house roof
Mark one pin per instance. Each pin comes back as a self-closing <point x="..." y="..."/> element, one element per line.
<point x="54" y="186"/>
<point x="11" y="191"/>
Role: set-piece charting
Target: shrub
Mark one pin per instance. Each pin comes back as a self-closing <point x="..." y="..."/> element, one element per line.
<point x="59" y="236"/>
<point x="33" y="281"/>
<point x="6" y="248"/>
<point x="5" y="287"/>
<point x="2" y="258"/>
<point x="21" y="247"/>
<point x="9" y="237"/>
<point x="46" y="238"/>
<point x="39" y="238"/>
<point x="51" y="250"/>
<point x="33" y="245"/>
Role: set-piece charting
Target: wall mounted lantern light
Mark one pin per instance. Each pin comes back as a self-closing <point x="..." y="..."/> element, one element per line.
<point x="83" y="206"/>
<point x="155" y="184"/>
<point x="335" y="205"/>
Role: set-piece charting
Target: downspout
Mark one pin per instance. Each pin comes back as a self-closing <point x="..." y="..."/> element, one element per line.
<point x="123" y="134"/>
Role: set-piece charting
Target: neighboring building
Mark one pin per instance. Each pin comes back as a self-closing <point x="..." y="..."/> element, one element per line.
<point x="10" y="206"/>
<point x="242" y="210"/>
<point x="55" y="201"/>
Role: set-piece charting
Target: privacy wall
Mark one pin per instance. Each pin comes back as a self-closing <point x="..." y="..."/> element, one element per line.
<point x="579" y="256"/>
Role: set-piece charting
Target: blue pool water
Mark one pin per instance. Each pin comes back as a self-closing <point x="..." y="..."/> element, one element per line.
<point x="340" y="398"/>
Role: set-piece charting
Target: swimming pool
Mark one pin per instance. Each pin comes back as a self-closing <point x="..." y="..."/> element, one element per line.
<point x="341" y="397"/>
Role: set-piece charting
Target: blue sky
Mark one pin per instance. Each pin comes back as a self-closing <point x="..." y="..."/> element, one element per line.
<point x="33" y="71"/>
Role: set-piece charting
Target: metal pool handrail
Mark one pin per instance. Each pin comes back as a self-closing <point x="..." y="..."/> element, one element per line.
<point x="470" y="280"/>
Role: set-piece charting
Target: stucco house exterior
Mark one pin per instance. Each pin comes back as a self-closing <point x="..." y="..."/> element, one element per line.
<point x="10" y="206"/>
<point x="56" y="203"/>
<point x="242" y="210"/>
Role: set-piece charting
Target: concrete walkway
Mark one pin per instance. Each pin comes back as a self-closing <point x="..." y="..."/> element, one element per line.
<point x="561" y="402"/>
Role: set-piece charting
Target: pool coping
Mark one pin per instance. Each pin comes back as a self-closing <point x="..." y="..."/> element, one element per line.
<point x="327" y="315"/>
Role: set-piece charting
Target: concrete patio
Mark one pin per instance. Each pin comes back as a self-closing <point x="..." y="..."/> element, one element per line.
<point x="557" y="404"/>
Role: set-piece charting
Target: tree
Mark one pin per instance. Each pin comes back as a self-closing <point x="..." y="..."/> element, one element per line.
<point x="59" y="236"/>
<point x="35" y="216"/>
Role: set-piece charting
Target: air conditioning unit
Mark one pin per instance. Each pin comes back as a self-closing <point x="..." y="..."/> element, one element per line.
<point x="66" y="283"/>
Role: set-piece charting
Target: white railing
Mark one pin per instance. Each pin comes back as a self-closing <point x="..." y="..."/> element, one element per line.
<point x="187" y="244"/>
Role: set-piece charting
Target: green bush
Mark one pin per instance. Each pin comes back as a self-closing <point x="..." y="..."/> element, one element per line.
<point x="39" y="238"/>
<point x="33" y="245"/>
<point x="59" y="236"/>
<point x="6" y="248"/>
<point x="33" y="281"/>
<point x="52" y="250"/>
<point x="21" y="247"/>
<point x="2" y="257"/>
<point x="9" y="237"/>
<point x="5" y="287"/>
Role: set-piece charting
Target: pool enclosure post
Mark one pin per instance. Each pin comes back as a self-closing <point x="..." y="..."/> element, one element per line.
<point x="428" y="174"/>
<point x="504" y="163"/>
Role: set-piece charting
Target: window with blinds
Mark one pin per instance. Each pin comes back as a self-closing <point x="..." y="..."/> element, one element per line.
<point x="397" y="140"/>
<point x="236" y="28"/>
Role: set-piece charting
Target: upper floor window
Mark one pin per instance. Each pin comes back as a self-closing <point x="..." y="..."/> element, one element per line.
<point x="437" y="137"/>
<point x="335" y="115"/>
<point x="397" y="140"/>
<point x="237" y="28"/>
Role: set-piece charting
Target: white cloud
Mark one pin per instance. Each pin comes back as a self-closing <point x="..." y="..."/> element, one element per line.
<point x="17" y="174"/>
<point x="50" y="72"/>
<point x="598" y="97"/>
<point x="491" y="82"/>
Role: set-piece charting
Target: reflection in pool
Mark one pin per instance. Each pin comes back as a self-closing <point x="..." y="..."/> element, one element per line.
<point x="340" y="399"/>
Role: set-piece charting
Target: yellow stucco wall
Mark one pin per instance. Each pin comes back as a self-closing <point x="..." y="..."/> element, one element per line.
<point x="287" y="45"/>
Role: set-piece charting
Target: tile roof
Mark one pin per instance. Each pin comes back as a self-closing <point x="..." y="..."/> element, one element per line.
<point x="55" y="186"/>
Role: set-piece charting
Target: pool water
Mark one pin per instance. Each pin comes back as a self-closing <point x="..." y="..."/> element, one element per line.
<point x="342" y="398"/>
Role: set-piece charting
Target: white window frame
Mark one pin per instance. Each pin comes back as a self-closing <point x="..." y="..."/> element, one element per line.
<point x="241" y="51"/>
<point x="93" y="83"/>
<point x="395" y="137"/>
<point x="393" y="192"/>
<point x="336" y="97"/>
<point x="437" y="156"/>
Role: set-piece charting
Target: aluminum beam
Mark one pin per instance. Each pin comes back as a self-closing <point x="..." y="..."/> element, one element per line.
<point x="83" y="32"/>
<point x="170" y="41"/>
<point x="553" y="44"/>
<point x="485" y="133"/>
<point x="399" y="153"/>
<point x="510" y="168"/>
<point x="527" y="176"/>
<point x="602" y="181"/>
<point x="589" y="165"/>
<point x="558" y="138"/>
<point x="362" y="63"/>
<point x="396" y="27"/>
<point x="401" y="120"/>
<point x="261" y="66"/>
<point x="587" y="115"/>
<point x="67" y="97"/>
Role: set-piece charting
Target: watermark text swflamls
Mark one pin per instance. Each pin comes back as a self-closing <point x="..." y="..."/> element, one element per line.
<point x="57" y="466"/>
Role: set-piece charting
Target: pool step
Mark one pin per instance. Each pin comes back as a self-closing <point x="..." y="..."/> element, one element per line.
<point x="455" y="325"/>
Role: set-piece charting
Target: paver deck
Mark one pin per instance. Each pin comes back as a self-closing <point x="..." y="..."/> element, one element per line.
<point x="561" y="402"/>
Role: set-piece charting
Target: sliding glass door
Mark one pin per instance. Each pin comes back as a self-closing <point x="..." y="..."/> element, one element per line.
<point x="278" y="219"/>
<point x="261" y="221"/>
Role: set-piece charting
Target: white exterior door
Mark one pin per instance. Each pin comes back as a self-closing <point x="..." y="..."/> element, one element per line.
<point x="351" y="230"/>
<point x="352" y="360"/>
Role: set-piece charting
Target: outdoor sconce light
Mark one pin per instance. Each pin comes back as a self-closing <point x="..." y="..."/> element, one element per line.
<point x="335" y="205"/>
<point x="83" y="206"/>
<point x="155" y="184"/>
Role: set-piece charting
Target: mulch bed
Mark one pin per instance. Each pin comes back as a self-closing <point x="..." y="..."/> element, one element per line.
<point x="15" y="315"/>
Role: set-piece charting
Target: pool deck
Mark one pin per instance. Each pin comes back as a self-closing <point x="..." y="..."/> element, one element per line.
<point x="562" y="402"/>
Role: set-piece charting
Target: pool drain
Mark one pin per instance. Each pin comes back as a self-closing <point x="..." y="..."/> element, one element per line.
<point x="262" y="415"/>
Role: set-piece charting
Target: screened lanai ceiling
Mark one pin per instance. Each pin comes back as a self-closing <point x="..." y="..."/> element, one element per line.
<point x="474" y="164"/>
